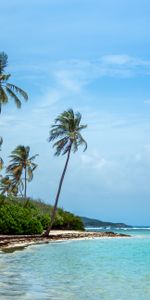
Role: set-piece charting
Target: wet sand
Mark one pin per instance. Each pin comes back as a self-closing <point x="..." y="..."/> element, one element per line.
<point x="12" y="242"/>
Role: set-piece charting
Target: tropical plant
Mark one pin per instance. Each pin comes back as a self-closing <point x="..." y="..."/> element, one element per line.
<point x="8" y="186"/>
<point x="1" y="160"/>
<point x="33" y="219"/>
<point x="7" y="89"/>
<point x="22" y="166"/>
<point x="66" y="131"/>
<point x="16" y="219"/>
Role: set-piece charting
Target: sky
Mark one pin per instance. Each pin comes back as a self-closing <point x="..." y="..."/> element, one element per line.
<point x="92" y="56"/>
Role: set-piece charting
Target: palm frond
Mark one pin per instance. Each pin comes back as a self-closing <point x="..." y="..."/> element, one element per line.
<point x="3" y="61"/>
<point x="67" y="148"/>
<point x="8" y="186"/>
<point x="82" y="142"/>
<point x="1" y="141"/>
<point x="74" y="146"/>
<point x="33" y="166"/>
<point x="78" y="119"/>
<point x="3" y="96"/>
<point x="82" y="127"/>
<point x="4" y="78"/>
<point x="30" y="174"/>
<point x="1" y="163"/>
<point x="18" y="90"/>
<point x="26" y="151"/>
<point x="1" y="160"/>
<point x="67" y="127"/>
<point x="55" y="133"/>
<point x="33" y="157"/>
<point x="19" y="163"/>
<point x="14" y="96"/>
<point x="60" y="146"/>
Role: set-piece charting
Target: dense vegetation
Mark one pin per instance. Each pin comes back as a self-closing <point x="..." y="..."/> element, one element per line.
<point x="16" y="218"/>
<point x="24" y="216"/>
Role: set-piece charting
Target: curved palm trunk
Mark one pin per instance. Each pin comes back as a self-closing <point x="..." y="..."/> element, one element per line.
<point x="58" y="194"/>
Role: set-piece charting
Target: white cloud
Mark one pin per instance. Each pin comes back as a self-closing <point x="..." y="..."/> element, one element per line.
<point x="143" y="157"/>
<point x="74" y="74"/>
<point x="94" y="160"/>
<point x="147" y="101"/>
<point x="116" y="59"/>
<point x="69" y="80"/>
<point x="124" y="60"/>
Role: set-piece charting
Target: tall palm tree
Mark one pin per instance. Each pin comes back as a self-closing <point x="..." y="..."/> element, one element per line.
<point x="21" y="165"/>
<point x="66" y="131"/>
<point x="7" y="89"/>
<point x="1" y="160"/>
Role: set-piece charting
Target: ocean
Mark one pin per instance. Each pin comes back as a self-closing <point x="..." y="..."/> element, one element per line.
<point x="107" y="268"/>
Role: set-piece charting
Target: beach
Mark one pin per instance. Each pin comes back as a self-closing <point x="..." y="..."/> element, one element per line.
<point x="20" y="241"/>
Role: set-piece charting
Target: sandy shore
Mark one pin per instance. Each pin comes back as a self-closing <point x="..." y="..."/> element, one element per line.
<point x="10" y="243"/>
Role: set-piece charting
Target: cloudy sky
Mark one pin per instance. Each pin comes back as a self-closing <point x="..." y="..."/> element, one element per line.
<point x="93" y="56"/>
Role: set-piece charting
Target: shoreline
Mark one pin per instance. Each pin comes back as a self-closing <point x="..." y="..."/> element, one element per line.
<point x="10" y="243"/>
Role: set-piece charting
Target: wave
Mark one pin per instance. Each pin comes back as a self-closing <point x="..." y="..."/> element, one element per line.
<point x="135" y="228"/>
<point x="117" y="228"/>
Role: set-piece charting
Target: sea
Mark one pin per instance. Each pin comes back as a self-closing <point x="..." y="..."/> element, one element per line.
<point x="97" y="269"/>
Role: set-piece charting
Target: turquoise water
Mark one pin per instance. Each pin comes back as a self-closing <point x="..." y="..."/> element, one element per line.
<point x="110" y="268"/>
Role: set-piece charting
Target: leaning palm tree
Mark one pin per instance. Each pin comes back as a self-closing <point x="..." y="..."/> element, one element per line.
<point x="22" y="166"/>
<point x="7" y="89"/>
<point x="1" y="160"/>
<point x="66" y="131"/>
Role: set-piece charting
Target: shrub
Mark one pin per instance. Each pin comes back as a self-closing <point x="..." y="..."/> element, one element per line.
<point x="68" y="221"/>
<point x="45" y="220"/>
<point x="15" y="219"/>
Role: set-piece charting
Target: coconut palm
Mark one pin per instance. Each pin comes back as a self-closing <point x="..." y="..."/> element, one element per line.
<point x="8" y="186"/>
<point x="66" y="131"/>
<point x="1" y="160"/>
<point x="7" y="89"/>
<point x="22" y="166"/>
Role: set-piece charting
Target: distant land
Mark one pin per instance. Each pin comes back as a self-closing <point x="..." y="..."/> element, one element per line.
<point x="88" y="222"/>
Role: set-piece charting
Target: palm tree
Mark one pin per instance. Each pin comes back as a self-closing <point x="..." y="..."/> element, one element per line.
<point x="1" y="161"/>
<point x="66" y="131"/>
<point x="8" y="186"/>
<point x="22" y="165"/>
<point x="8" y="89"/>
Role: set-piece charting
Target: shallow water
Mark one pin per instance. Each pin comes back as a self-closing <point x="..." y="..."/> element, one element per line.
<point x="109" y="268"/>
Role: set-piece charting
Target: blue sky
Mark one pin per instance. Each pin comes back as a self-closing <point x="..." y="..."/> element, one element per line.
<point x="93" y="56"/>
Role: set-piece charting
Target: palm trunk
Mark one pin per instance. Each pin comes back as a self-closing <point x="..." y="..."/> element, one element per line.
<point x="25" y="182"/>
<point x="58" y="194"/>
<point x="0" y="102"/>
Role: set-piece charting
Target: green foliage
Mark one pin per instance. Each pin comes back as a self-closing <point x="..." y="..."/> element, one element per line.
<point x="8" y="90"/>
<point x="66" y="130"/>
<point x="17" y="219"/>
<point x="45" y="220"/>
<point x="21" y="168"/>
<point x="68" y="221"/>
<point x="8" y="186"/>
<point x="1" y="160"/>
